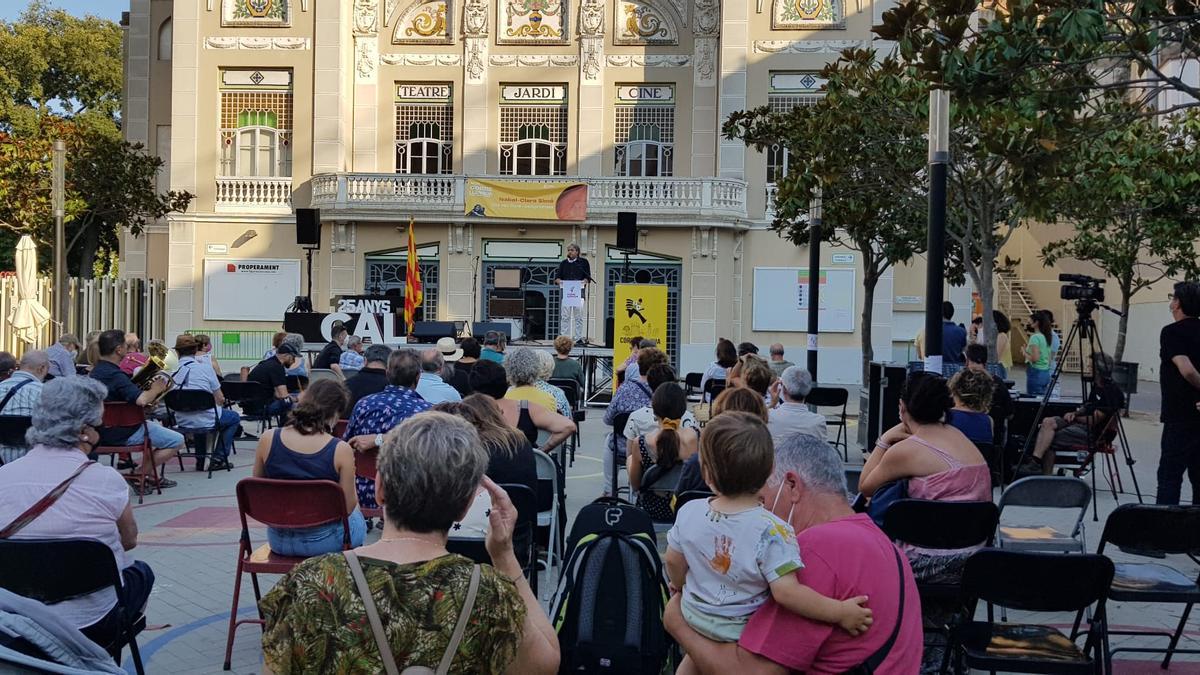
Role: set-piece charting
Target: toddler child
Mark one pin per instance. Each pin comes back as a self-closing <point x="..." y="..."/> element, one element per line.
<point x="727" y="553"/>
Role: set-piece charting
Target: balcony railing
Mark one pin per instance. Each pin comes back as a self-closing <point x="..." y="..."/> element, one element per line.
<point x="772" y="190"/>
<point x="253" y="192"/>
<point x="352" y="195"/>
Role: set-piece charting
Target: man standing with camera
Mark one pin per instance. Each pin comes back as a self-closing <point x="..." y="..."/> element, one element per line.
<point x="1179" y="349"/>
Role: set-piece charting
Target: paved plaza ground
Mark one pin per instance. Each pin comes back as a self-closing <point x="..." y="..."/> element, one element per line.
<point x="189" y="536"/>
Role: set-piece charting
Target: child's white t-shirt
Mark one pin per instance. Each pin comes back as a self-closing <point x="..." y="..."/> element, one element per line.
<point x="732" y="557"/>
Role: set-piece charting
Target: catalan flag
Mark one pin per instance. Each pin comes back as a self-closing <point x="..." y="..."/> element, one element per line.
<point x="413" y="295"/>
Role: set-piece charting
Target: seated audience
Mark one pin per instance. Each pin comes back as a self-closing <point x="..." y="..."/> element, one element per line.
<point x="303" y="449"/>
<point x="273" y="372"/>
<point x="719" y="370"/>
<point x="205" y="353"/>
<point x="134" y="358"/>
<point x="635" y="346"/>
<point x="430" y="469"/>
<point x="20" y="393"/>
<point x="845" y="556"/>
<point x="96" y="505"/>
<point x="493" y="346"/>
<point x="193" y="375"/>
<point x="745" y="348"/>
<point x="330" y="356"/>
<point x="545" y="372"/>
<point x="632" y="394"/>
<point x="778" y="363"/>
<point x="164" y="442"/>
<point x="372" y="377"/>
<point x="524" y="369"/>
<point x="754" y="550"/>
<point x="488" y="378"/>
<point x="633" y="370"/>
<point x="642" y="420"/>
<point x="8" y="365"/>
<point x="754" y="374"/>
<point x="1001" y="408"/>
<point x="1072" y="431"/>
<point x="792" y="415"/>
<point x="936" y="459"/>
<point x="738" y="399"/>
<point x="378" y="414"/>
<point x="87" y="357"/>
<point x="352" y="358"/>
<point x="430" y="384"/>
<point x="62" y="355"/>
<point x="461" y="378"/>
<point x="565" y="367"/>
<point x="510" y="455"/>
<point x="299" y="368"/>
<point x="665" y="447"/>
<point x="971" y="391"/>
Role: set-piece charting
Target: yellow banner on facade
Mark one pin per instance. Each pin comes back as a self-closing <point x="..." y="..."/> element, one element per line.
<point x="534" y="200"/>
<point x="640" y="309"/>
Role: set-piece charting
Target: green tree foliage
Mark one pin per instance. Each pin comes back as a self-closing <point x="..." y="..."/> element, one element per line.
<point x="59" y="64"/>
<point x="862" y="146"/>
<point x="1134" y="201"/>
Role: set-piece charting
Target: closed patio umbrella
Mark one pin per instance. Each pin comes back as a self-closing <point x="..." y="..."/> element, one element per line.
<point x="28" y="315"/>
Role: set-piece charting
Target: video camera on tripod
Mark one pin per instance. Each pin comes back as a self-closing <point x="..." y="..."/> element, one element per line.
<point x="1081" y="287"/>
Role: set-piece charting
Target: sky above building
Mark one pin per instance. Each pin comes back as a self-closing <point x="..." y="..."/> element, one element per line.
<point x="106" y="9"/>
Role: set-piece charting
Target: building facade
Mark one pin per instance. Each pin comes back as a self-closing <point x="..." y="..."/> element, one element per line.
<point x="380" y="111"/>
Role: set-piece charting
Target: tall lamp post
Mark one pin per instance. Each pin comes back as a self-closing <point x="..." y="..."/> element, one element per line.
<point x="939" y="160"/>
<point x="814" y="280"/>
<point x="58" y="199"/>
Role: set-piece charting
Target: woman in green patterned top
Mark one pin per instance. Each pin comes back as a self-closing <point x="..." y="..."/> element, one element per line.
<point x="430" y="470"/>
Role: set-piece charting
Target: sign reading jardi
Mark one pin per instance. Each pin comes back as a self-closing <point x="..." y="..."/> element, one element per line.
<point x="534" y="200"/>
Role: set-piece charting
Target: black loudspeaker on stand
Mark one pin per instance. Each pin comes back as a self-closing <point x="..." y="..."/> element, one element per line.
<point x="308" y="235"/>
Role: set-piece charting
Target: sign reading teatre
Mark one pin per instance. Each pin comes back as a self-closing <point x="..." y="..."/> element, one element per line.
<point x="422" y="91"/>
<point x="533" y="93"/>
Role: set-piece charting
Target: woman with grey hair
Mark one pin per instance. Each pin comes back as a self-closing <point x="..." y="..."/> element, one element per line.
<point x="431" y="468"/>
<point x="95" y="506"/>
<point x="546" y="369"/>
<point x="524" y="369"/>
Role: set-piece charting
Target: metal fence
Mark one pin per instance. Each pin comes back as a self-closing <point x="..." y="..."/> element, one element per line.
<point x="238" y="345"/>
<point x="137" y="305"/>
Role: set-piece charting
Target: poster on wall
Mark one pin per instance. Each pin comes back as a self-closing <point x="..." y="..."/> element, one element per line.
<point x="640" y="309"/>
<point x="249" y="289"/>
<point x="781" y="299"/>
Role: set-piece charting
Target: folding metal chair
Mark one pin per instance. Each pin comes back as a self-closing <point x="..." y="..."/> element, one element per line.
<point x="283" y="504"/>
<point x="195" y="400"/>
<point x="832" y="397"/>
<point x="691" y="386"/>
<point x="253" y="398"/>
<point x="53" y="570"/>
<point x="525" y="502"/>
<point x="126" y="416"/>
<point x="318" y="374"/>
<point x="12" y="431"/>
<point x="1045" y="492"/>
<point x="550" y="499"/>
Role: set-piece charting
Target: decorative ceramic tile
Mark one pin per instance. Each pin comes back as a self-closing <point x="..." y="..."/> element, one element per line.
<point x="638" y="22"/>
<point x="275" y="13"/>
<point x="802" y="14"/>
<point x="425" y="22"/>
<point x="533" y="22"/>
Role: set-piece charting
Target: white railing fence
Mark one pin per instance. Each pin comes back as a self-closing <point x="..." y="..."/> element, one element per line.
<point x="136" y="305"/>
<point x="251" y="192"/>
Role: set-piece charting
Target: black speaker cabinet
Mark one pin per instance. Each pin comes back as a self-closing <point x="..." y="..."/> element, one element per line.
<point x="508" y="308"/>
<point x="431" y="331"/>
<point x="627" y="231"/>
<point x="308" y="228"/>
<point x="883" y="391"/>
<point x="482" y="328"/>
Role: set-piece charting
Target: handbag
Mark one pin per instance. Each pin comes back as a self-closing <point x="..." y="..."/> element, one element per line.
<point x="884" y="497"/>
<point x="385" y="650"/>
<point x="875" y="660"/>
<point x="42" y="505"/>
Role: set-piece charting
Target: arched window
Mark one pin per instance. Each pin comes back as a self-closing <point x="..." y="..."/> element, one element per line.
<point x="533" y="140"/>
<point x="257" y="144"/>
<point x="165" y="36"/>
<point x="645" y="140"/>
<point x="424" y="147"/>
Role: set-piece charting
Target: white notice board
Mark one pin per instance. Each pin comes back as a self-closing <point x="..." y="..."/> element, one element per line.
<point x="249" y="289"/>
<point x="781" y="299"/>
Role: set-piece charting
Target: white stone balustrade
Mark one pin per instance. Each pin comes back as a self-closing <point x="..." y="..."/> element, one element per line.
<point x="253" y="193"/>
<point x="351" y="195"/>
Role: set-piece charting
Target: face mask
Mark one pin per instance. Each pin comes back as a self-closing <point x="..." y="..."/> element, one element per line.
<point x="776" y="503"/>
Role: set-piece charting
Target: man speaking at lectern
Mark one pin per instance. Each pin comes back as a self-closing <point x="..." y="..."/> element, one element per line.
<point x="572" y="274"/>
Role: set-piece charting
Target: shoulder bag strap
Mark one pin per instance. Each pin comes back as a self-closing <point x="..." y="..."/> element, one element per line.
<point x="364" y="591"/>
<point x="875" y="660"/>
<point x="12" y="392"/>
<point x="42" y="505"/>
<point x="463" y="616"/>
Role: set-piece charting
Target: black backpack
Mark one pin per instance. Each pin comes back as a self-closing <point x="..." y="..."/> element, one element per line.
<point x="609" y="604"/>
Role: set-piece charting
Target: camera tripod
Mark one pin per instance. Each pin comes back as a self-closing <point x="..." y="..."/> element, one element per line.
<point x="1083" y="330"/>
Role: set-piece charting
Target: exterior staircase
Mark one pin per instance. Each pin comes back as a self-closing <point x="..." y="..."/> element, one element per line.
<point x="1014" y="298"/>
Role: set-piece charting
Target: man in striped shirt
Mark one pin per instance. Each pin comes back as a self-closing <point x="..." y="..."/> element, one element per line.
<point x="21" y="392"/>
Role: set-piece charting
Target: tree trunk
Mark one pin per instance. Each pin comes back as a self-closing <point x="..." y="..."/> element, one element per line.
<point x="1123" y="323"/>
<point x="870" y="280"/>
<point x="89" y="242"/>
<point x="986" y="284"/>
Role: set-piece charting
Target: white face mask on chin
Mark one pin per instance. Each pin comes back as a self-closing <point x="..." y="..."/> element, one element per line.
<point x="775" y="503"/>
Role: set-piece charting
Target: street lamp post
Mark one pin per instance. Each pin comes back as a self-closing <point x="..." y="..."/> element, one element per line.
<point x="814" y="279"/>
<point x="58" y="199"/>
<point x="939" y="160"/>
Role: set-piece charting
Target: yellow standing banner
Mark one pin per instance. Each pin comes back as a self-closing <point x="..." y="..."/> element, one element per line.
<point x="640" y="309"/>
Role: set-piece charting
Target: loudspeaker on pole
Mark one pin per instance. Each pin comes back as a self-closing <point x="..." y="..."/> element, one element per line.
<point x="627" y="232"/>
<point x="308" y="228"/>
